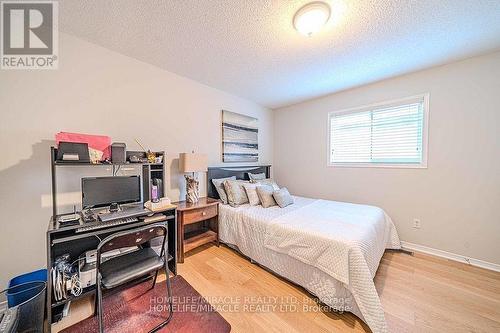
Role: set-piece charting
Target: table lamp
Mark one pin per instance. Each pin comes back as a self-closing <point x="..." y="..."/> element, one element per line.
<point x="192" y="163"/>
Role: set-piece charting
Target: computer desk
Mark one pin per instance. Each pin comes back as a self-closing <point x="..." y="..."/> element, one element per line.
<point x="62" y="240"/>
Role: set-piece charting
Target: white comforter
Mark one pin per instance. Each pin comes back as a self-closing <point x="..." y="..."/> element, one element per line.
<point x="344" y="241"/>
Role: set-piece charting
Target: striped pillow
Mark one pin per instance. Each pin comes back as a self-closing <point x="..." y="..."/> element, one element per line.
<point x="253" y="197"/>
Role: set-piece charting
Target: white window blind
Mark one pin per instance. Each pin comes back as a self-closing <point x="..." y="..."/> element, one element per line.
<point x="389" y="134"/>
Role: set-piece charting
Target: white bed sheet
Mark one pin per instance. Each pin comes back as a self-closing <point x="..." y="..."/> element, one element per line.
<point x="271" y="237"/>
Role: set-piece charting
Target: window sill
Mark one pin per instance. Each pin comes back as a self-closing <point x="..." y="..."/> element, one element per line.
<point x="375" y="165"/>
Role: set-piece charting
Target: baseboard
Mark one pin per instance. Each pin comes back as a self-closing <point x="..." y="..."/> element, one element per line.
<point x="452" y="256"/>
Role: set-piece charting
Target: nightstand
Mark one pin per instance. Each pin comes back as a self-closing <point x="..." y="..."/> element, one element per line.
<point x="197" y="224"/>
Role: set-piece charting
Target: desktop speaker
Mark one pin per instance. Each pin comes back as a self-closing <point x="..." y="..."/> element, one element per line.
<point x="118" y="152"/>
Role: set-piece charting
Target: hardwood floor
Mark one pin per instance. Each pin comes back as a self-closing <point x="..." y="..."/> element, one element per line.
<point x="419" y="293"/>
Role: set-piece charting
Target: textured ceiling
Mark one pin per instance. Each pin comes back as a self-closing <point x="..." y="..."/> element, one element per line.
<point x="249" y="47"/>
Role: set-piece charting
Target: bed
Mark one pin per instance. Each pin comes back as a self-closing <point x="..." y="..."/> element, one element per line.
<point x="332" y="249"/>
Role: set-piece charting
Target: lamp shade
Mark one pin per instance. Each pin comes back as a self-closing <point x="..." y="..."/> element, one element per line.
<point x="192" y="162"/>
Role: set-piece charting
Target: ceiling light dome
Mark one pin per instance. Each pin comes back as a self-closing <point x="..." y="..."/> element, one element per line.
<point x="311" y="18"/>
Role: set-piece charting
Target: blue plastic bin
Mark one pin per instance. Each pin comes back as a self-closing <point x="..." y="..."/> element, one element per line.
<point x="28" y="315"/>
<point x="16" y="296"/>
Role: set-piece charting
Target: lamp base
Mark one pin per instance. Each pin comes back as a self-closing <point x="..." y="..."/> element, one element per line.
<point x="192" y="189"/>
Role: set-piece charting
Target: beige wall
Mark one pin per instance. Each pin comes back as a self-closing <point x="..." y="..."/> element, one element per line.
<point x="102" y="92"/>
<point x="457" y="197"/>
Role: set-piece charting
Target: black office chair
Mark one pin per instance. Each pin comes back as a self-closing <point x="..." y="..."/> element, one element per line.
<point x="125" y="268"/>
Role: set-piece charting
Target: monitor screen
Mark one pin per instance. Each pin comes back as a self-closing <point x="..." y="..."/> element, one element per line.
<point x="103" y="191"/>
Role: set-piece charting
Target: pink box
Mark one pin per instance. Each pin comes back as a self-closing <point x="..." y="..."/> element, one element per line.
<point x="97" y="142"/>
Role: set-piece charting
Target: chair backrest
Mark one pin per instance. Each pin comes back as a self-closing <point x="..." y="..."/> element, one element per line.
<point x="133" y="237"/>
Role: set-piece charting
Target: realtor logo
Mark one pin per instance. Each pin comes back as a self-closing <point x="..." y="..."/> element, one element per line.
<point x="29" y="36"/>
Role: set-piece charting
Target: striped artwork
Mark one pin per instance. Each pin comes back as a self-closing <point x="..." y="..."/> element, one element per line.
<point x="239" y="138"/>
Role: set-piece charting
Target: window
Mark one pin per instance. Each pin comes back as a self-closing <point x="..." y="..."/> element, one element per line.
<point x="390" y="134"/>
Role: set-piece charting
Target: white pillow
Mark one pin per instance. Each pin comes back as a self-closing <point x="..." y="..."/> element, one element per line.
<point x="236" y="194"/>
<point x="256" y="176"/>
<point x="252" y="195"/>
<point x="219" y="186"/>
<point x="267" y="181"/>
<point x="265" y="193"/>
<point x="282" y="197"/>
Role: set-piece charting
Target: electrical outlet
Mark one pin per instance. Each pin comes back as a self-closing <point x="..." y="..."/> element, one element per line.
<point x="416" y="223"/>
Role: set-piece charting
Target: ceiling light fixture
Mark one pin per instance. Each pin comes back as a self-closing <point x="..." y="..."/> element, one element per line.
<point x="311" y="17"/>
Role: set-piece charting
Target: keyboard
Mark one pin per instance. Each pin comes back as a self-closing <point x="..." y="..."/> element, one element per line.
<point x="113" y="223"/>
<point x="125" y="213"/>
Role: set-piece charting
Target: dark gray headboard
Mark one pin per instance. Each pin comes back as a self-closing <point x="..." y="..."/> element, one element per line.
<point x="241" y="172"/>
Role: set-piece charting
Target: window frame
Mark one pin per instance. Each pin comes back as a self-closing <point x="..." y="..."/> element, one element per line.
<point x="425" y="135"/>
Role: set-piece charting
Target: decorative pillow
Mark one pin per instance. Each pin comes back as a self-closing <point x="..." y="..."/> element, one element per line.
<point x="283" y="197"/>
<point x="265" y="193"/>
<point x="236" y="194"/>
<point x="256" y="176"/>
<point x="219" y="186"/>
<point x="253" y="197"/>
<point x="267" y="181"/>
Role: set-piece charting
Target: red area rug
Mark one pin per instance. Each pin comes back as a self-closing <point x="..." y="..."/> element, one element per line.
<point x="140" y="309"/>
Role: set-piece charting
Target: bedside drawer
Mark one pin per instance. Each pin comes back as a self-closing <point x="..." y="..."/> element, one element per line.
<point x="199" y="214"/>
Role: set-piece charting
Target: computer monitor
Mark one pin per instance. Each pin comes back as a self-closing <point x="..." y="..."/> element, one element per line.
<point x="104" y="191"/>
